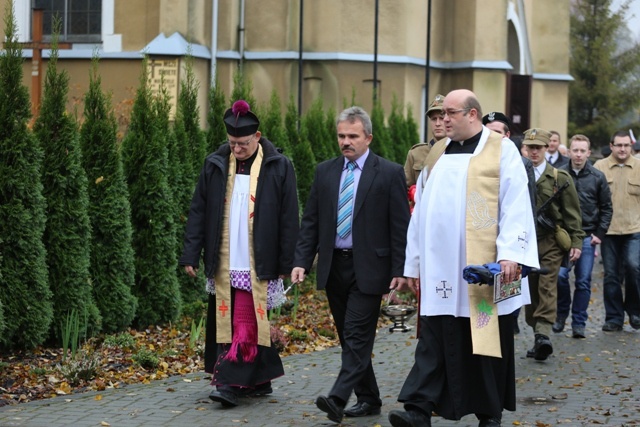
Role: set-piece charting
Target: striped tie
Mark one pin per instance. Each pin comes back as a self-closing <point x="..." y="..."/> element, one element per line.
<point x="345" y="203"/>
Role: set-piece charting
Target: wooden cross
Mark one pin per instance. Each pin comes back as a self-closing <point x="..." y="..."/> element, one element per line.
<point x="36" y="60"/>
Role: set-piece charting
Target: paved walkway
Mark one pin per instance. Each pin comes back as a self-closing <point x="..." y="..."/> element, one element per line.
<point x="589" y="382"/>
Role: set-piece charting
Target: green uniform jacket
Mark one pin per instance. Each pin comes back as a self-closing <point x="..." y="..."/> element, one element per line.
<point x="566" y="210"/>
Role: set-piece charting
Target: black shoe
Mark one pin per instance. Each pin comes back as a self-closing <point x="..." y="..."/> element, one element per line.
<point x="490" y="422"/>
<point x="362" y="409"/>
<point x="542" y="348"/>
<point x="334" y="411"/>
<point x="558" y="326"/>
<point x="227" y="398"/>
<point x="260" y="390"/>
<point x="634" y="321"/>
<point x="578" y="332"/>
<point x="516" y="328"/>
<point x="611" y="327"/>
<point x="531" y="353"/>
<point x="409" y="419"/>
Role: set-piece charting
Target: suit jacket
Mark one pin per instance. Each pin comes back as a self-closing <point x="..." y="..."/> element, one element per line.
<point x="379" y="230"/>
<point x="560" y="161"/>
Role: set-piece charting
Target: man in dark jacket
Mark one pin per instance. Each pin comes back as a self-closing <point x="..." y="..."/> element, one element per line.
<point x="244" y="214"/>
<point x="356" y="222"/>
<point x="596" y="208"/>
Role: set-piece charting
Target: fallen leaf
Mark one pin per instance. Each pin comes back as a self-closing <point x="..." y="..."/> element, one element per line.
<point x="98" y="397"/>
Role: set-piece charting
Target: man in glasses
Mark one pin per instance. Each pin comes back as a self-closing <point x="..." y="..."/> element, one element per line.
<point x="474" y="208"/>
<point x="244" y="214"/>
<point x="418" y="153"/>
<point x="621" y="245"/>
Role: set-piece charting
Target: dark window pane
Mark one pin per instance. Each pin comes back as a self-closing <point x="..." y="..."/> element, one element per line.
<point x="95" y="23"/>
<point x="78" y="23"/>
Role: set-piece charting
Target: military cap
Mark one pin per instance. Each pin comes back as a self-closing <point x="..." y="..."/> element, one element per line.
<point x="496" y="116"/>
<point x="536" y="136"/>
<point x="436" y="104"/>
<point x="240" y="120"/>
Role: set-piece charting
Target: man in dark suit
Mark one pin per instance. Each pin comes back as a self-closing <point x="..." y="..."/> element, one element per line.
<point x="356" y="220"/>
<point x="553" y="156"/>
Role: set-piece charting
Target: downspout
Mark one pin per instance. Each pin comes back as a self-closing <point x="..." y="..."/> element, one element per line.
<point x="241" y="34"/>
<point x="214" y="41"/>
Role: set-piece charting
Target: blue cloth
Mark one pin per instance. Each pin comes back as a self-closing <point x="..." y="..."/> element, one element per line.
<point x="582" y="292"/>
<point x="483" y="274"/>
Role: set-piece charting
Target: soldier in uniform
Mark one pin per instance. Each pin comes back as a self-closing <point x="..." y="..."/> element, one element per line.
<point x="418" y="153"/>
<point x="559" y="233"/>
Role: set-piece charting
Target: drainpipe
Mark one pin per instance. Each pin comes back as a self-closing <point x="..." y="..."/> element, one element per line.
<point x="214" y="41"/>
<point x="241" y="34"/>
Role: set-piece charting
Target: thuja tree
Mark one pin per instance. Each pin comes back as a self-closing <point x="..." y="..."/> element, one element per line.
<point x="272" y="127"/>
<point x="112" y="261"/>
<point x="314" y="130"/>
<point x="67" y="234"/>
<point x="217" y="106"/>
<point x="243" y="89"/>
<point x="381" y="144"/>
<point x="303" y="159"/>
<point x="144" y="154"/>
<point x="187" y="152"/>
<point x="333" y="149"/>
<point x="400" y="142"/>
<point x="24" y="293"/>
<point x="412" y="132"/>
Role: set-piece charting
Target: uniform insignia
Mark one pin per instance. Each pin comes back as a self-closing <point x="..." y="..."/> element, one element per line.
<point x="492" y="116"/>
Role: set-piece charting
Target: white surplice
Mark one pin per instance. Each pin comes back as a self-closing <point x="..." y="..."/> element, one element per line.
<point x="239" y="259"/>
<point x="436" y="244"/>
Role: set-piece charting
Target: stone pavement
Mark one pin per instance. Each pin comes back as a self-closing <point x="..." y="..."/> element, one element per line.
<point x="589" y="382"/>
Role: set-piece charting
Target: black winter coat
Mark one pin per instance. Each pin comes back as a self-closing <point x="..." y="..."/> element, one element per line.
<point x="595" y="199"/>
<point x="276" y="220"/>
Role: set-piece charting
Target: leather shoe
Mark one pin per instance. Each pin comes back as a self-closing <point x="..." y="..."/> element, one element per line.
<point x="490" y="422"/>
<point x="334" y="411"/>
<point x="226" y="398"/>
<point x="578" y="332"/>
<point x="634" y="321"/>
<point x="260" y="390"/>
<point x="558" y="326"/>
<point x="531" y="353"/>
<point x="542" y="348"/>
<point x="362" y="409"/>
<point x="611" y="327"/>
<point x="409" y="419"/>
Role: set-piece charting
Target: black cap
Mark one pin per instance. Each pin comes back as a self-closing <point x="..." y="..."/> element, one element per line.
<point x="496" y="116"/>
<point x="240" y="120"/>
<point x="605" y="151"/>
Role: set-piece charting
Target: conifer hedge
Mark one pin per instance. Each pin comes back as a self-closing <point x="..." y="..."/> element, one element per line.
<point x="24" y="293"/>
<point x="112" y="259"/>
<point x="144" y="154"/>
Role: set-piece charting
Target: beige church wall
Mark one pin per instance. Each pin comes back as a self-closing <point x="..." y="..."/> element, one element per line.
<point x="548" y="28"/>
<point x="491" y="89"/>
<point x="549" y="106"/>
<point x="137" y="21"/>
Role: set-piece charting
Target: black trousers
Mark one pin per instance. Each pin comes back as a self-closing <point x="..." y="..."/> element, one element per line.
<point x="356" y="317"/>
<point x="449" y="379"/>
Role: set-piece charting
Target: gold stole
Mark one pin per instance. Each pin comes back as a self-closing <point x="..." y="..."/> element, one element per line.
<point x="483" y="193"/>
<point x="223" y="283"/>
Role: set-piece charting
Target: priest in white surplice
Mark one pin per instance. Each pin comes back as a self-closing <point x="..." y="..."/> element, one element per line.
<point x="472" y="207"/>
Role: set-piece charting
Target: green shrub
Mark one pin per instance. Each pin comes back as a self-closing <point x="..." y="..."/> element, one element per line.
<point x="146" y="359"/>
<point x="122" y="341"/>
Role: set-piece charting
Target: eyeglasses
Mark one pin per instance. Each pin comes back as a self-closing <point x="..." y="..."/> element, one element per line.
<point x="449" y="112"/>
<point x="241" y="144"/>
<point x="622" y="145"/>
